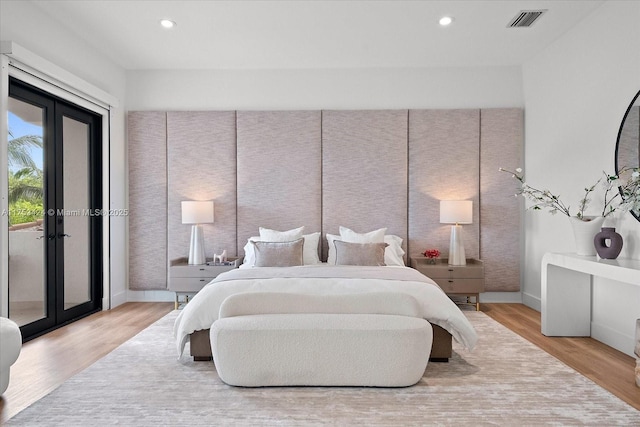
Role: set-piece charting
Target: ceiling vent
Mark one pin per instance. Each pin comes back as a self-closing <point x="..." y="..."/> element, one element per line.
<point x="526" y="18"/>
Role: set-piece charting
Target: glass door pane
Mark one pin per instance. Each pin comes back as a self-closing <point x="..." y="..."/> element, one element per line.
<point x="27" y="241"/>
<point x="77" y="213"/>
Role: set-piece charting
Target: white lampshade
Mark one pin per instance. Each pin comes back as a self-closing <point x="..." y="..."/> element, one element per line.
<point x="456" y="212"/>
<point x="197" y="212"/>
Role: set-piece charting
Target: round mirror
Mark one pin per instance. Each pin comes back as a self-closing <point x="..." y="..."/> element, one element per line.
<point x="628" y="144"/>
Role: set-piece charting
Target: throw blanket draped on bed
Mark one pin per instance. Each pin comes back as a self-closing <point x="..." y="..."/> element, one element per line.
<point x="437" y="308"/>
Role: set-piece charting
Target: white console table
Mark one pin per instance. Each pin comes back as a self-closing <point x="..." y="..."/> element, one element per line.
<point x="566" y="289"/>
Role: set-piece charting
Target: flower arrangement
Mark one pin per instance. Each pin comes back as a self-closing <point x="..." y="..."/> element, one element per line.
<point x="627" y="198"/>
<point x="432" y="254"/>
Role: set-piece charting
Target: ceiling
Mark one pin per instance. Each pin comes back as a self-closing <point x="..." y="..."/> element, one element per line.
<point x="313" y="34"/>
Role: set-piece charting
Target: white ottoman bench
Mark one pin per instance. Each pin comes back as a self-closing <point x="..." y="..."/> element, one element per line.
<point x="10" y="346"/>
<point x="380" y="341"/>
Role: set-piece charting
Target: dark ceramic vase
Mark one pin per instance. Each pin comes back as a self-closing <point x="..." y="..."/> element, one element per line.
<point x="615" y="243"/>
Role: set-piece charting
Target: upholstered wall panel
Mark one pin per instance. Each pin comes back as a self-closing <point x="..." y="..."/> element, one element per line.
<point x="147" y="200"/>
<point x="279" y="171"/>
<point x="501" y="145"/>
<point x="364" y="173"/>
<point x="201" y="165"/>
<point x="444" y="148"/>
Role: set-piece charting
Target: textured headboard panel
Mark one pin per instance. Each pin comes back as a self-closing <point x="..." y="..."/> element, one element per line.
<point x="279" y="171"/>
<point x="501" y="144"/>
<point x="364" y="173"/>
<point x="147" y="200"/>
<point x="444" y="147"/>
<point x="201" y="150"/>
<point x="322" y="169"/>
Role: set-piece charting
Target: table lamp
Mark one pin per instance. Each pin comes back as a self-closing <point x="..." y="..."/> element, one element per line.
<point x="456" y="212"/>
<point x="197" y="213"/>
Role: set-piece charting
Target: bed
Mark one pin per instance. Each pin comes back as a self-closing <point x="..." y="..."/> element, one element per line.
<point x="195" y="320"/>
<point x="357" y="263"/>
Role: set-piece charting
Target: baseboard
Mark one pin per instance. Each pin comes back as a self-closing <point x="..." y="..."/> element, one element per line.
<point x="118" y="299"/>
<point x="613" y="338"/>
<point x="497" y="297"/>
<point x="150" y="296"/>
<point x="531" y="301"/>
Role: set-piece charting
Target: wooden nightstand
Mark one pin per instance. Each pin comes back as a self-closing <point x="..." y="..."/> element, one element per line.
<point x="186" y="279"/>
<point x="467" y="280"/>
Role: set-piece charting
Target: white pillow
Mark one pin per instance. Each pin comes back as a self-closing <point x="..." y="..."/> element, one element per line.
<point x="309" y="250"/>
<point x="249" y="253"/>
<point x="268" y="235"/>
<point x="392" y="254"/>
<point x="375" y="236"/>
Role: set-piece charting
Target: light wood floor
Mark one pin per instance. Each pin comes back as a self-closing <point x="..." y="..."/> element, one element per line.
<point x="48" y="361"/>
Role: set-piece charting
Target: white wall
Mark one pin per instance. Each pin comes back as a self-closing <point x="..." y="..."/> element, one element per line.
<point x="25" y="24"/>
<point x="380" y="88"/>
<point x="576" y="93"/>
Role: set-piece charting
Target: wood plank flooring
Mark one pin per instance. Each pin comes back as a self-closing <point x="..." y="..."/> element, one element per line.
<point x="48" y="361"/>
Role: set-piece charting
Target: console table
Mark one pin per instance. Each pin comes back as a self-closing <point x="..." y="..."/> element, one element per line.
<point x="566" y="289"/>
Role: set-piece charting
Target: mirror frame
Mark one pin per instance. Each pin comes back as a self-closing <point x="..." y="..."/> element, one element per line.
<point x="624" y="119"/>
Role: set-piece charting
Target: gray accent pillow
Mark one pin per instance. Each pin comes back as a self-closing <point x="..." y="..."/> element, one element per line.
<point x="279" y="254"/>
<point x="348" y="253"/>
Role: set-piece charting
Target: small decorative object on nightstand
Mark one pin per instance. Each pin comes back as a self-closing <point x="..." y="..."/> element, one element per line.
<point x="432" y="255"/>
<point x="467" y="280"/>
<point x="186" y="279"/>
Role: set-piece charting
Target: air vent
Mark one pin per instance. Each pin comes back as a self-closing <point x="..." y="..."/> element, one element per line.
<point x="526" y="18"/>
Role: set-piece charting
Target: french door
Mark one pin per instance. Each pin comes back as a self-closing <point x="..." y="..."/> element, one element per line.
<point x="55" y="216"/>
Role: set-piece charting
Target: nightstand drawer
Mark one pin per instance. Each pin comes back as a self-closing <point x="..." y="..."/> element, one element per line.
<point x="188" y="284"/>
<point x="198" y="270"/>
<point x="461" y="286"/>
<point x="434" y="271"/>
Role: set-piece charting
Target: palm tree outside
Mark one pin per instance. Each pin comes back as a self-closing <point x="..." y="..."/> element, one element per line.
<point x="25" y="180"/>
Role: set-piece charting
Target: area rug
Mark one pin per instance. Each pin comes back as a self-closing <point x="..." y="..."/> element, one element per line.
<point x="504" y="381"/>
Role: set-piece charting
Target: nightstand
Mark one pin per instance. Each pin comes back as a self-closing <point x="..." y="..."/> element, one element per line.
<point x="466" y="280"/>
<point x="186" y="279"/>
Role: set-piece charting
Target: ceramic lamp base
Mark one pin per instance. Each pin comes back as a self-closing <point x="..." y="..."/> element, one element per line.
<point x="196" y="248"/>
<point x="456" y="247"/>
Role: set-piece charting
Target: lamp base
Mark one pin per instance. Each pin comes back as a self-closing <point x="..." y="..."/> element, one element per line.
<point x="196" y="248"/>
<point x="456" y="247"/>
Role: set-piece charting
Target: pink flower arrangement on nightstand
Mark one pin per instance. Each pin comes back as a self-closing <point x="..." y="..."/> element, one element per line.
<point x="432" y="254"/>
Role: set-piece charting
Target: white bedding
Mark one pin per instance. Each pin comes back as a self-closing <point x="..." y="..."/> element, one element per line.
<point x="202" y="310"/>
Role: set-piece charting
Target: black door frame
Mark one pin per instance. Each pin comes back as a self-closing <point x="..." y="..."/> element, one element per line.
<point x="55" y="109"/>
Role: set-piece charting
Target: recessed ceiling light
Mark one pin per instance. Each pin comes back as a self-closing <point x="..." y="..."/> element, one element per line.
<point x="167" y="23"/>
<point x="445" y="20"/>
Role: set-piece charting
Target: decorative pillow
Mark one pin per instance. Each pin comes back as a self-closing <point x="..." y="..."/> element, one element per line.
<point x="392" y="255"/>
<point x="268" y="235"/>
<point x="309" y="251"/>
<point x="278" y="254"/>
<point x="331" y="256"/>
<point x="348" y="253"/>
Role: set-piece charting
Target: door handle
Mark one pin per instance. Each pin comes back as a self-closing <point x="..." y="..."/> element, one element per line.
<point x="49" y="237"/>
<point x="61" y="235"/>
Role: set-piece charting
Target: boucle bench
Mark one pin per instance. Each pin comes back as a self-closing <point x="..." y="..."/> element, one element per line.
<point x="276" y="339"/>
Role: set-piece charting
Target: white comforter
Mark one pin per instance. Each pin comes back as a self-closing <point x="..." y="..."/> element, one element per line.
<point x="202" y="310"/>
